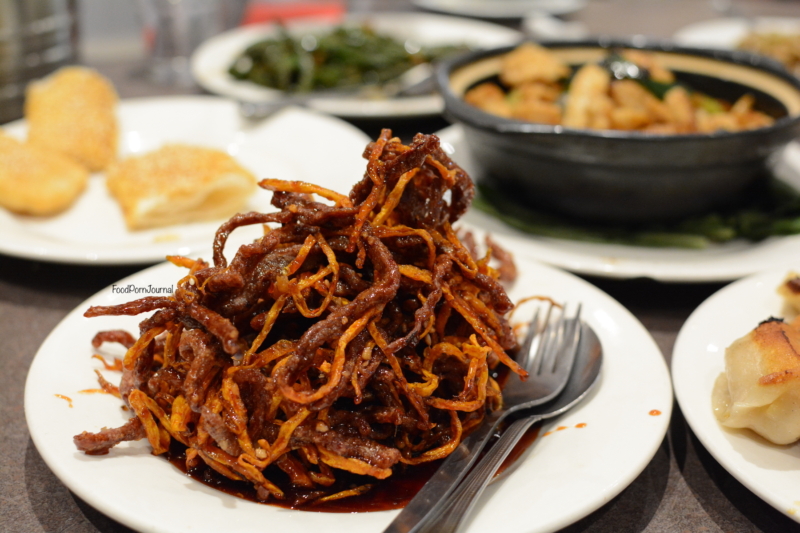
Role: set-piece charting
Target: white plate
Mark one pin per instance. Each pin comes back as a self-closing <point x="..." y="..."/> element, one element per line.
<point x="726" y="33"/>
<point x="294" y="144"/>
<point x="564" y="477"/>
<point x="211" y="60"/>
<point x="501" y="9"/>
<point x="717" y="263"/>
<point x="543" y="26"/>
<point x="772" y="472"/>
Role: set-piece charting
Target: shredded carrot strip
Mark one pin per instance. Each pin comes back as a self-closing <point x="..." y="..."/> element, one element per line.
<point x="442" y="451"/>
<point x="159" y="438"/>
<point x="135" y="351"/>
<point x="336" y="367"/>
<point x="394" y="197"/>
<point x="181" y="261"/>
<point x="279" y="447"/>
<point x="306" y="188"/>
<point x="269" y="321"/>
<point x="416" y="273"/>
<point x="116" y="366"/>
<point x="107" y="387"/>
<point x="460" y="306"/>
<point x="356" y="466"/>
<point x="298" y="261"/>
<point x="344" y="494"/>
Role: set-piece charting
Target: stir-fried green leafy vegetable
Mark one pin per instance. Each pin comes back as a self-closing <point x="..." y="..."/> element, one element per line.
<point x="623" y="69"/>
<point x="772" y="209"/>
<point x="347" y="57"/>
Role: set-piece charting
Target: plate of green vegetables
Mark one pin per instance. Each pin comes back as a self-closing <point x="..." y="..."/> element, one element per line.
<point x="364" y="66"/>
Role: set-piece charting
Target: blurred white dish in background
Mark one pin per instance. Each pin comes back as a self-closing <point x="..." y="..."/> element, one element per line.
<point x="501" y="9"/>
<point x="727" y="33"/>
<point x="543" y="26"/>
<point x="211" y="61"/>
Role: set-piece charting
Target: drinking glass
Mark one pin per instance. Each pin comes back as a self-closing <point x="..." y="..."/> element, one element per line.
<point x="173" y="29"/>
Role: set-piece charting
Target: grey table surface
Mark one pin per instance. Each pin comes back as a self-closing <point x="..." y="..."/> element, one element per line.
<point x="683" y="489"/>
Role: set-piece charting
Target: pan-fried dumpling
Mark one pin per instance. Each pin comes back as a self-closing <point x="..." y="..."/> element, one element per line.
<point x="760" y="388"/>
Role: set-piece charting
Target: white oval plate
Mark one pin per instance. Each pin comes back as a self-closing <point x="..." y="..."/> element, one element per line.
<point x="294" y="144"/>
<point x="723" y="262"/>
<point x="501" y="9"/>
<point x="726" y="33"/>
<point x="210" y="62"/>
<point x="772" y="472"/>
<point x="562" y="478"/>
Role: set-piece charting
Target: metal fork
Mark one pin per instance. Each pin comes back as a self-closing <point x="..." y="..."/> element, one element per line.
<point x="454" y="510"/>
<point x="549" y="370"/>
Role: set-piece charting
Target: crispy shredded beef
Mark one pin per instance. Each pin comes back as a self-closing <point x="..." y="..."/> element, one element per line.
<point x="101" y="442"/>
<point x="356" y="334"/>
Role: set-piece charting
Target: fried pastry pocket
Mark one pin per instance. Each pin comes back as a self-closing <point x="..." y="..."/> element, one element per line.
<point x="73" y="111"/>
<point x="760" y="388"/>
<point x="178" y="184"/>
<point x="35" y="181"/>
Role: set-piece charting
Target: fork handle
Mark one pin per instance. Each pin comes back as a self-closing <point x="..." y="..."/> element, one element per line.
<point x="457" y="506"/>
<point x="446" y="478"/>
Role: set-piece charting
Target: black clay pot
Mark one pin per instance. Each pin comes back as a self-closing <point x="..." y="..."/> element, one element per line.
<point x="623" y="176"/>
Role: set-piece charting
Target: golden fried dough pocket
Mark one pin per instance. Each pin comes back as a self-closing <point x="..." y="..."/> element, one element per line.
<point x="178" y="184"/>
<point x="73" y="111"/>
<point x="35" y="181"/>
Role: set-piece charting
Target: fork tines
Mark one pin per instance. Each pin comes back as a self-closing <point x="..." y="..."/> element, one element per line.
<point x="539" y="350"/>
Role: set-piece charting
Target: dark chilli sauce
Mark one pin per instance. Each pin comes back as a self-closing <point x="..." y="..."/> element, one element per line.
<point x="523" y="444"/>
<point x="385" y="494"/>
<point x="393" y="492"/>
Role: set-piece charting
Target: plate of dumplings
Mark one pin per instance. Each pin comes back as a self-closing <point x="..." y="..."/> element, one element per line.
<point x="736" y="375"/>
